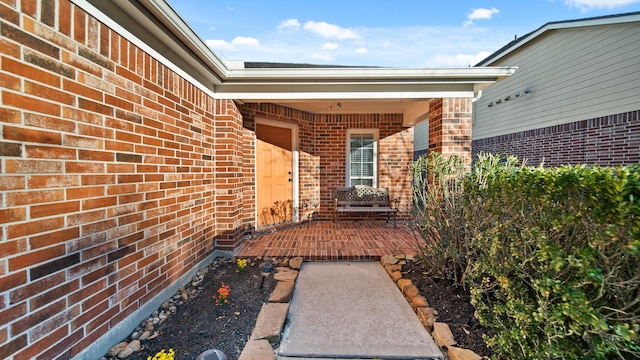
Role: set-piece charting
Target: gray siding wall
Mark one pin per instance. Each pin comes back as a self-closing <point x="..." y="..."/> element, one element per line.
<point x="421" y="136"/>
<point x="575" y="74"/>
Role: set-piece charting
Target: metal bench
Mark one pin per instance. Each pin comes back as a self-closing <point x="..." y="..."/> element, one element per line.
<point x="363" y="198"/>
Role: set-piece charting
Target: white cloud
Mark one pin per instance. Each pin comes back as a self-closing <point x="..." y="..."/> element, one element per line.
<point x="480" y="14"/>
<point x="586" y="5"/>
<point x="289" y="24"/>
<point x="329" y="46"/>
<point x="237" y="42"/>
<point x="467" y="59"/>
<point x="330" y="31"/>
<point x="419" y="46"/>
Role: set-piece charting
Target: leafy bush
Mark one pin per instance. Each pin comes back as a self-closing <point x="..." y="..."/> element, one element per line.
<point x="554" y="259"/>
<point x="444" y="215"/>
<point x="439" y="215"/>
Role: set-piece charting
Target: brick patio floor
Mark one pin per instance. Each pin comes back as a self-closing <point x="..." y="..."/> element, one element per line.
<point x="325" y="240"/>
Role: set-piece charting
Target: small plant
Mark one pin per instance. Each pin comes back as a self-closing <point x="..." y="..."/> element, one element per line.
<point x="241" y="264"/>
<point x="222" y="294"/>
<point x="162" y="355"/>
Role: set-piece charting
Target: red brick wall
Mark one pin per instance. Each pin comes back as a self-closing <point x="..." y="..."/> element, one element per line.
<point x="395" y="152"/>
<point x="118" y="176"/>
<point x="609" y="140"/>
<point x="450" y="125"/>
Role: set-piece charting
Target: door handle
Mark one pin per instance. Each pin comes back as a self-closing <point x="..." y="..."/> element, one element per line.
<point x="290" y="180"/>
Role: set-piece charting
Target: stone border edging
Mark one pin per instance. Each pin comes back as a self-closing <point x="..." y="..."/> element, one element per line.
<point x="440" y="331"/>
<point x="273" y="314"/>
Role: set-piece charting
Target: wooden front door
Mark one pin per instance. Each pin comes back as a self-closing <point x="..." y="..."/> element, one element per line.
<point x="274" y="174"/>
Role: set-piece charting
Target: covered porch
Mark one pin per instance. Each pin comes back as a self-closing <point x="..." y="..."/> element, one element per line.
<point x="326" y="240"/>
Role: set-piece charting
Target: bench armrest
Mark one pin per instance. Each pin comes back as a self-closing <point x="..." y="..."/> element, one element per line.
<point x="396" y="201"/>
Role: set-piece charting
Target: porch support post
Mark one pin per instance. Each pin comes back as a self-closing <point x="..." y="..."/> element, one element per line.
<point x="450" y="125"/>
<point x="228" y="173"/>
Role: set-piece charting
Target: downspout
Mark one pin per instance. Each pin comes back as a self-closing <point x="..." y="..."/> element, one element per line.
<point x="477" y="97"/>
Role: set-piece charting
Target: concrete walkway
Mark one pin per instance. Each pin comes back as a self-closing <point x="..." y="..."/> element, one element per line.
<point x="352" y="310"/>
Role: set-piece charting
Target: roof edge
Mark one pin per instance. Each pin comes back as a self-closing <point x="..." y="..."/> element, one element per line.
<point x="555" y="25"/>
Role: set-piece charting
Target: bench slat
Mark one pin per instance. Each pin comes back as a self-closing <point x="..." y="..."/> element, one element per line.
<point x="378" y="209"/>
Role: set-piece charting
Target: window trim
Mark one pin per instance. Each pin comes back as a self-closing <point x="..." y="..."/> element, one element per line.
<point x="376" y="138"/>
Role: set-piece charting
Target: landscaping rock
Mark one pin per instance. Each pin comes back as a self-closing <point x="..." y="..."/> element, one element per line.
<point x="115" y="350"/>
<point x="129" y="349"/>
<point x="282" y="292"/>
<point x="388" y="260"/>
<point x="403" y="282"/>
<point x="296" y="262"/>
<point x="410" y="291"/>
<point x="396" y="275"/>
<point x="456" y="353"/>
<point x="392" y="268"/>
<point x="257" y="350"/>
<point x="285" y="274"/>
<point x="418" y="301"/>
<point x="442" y="334"/>
<point x="427" y="317"/>
<point x="270" y="322"/>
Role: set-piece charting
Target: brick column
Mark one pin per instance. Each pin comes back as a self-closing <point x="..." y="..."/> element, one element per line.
<point x="228" y="146"/>
<point x="450" y="127"/>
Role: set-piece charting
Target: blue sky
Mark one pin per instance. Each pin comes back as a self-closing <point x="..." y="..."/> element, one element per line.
<point x="398" y="33"/>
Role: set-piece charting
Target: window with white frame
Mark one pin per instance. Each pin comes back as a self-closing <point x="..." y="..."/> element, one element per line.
<point x="362" y="157"/>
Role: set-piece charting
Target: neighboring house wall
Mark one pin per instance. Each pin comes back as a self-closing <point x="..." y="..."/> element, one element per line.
<point x="584" y="86"/>
<point x="603" y="141"/>
<point x="117" y="177"/>
<point x="420" y="139"/>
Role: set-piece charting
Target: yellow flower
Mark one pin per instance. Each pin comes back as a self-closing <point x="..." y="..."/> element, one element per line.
<point x="161" y="355"/>
<point x="241" y="263"/>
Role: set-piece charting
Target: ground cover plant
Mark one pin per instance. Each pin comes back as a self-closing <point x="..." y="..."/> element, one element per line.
<point x="552" y="256"/>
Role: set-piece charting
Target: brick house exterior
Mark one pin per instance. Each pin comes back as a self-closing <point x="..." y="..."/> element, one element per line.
<point x="575" y="98"/>
<point x="122" y="174"/>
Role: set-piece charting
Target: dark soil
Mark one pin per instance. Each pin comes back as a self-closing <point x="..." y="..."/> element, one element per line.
<point x="200" y="324"/>
<point x="453" y="304"/>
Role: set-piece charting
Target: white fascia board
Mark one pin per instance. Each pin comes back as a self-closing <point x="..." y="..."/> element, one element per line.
<point x="566" y="25"/>
<point x="296" y="95"/>
<point x="163" y="11"/>
<point x="396" y="74"/>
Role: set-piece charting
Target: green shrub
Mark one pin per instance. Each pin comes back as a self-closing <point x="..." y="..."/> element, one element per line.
<point x="439" y="215"/>
<point x="555" y="259"/>
<point x="444" y="215"/>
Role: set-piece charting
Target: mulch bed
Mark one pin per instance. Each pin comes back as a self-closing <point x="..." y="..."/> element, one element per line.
<point x="453" y="304"/>
<point x="199" y="324"/>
